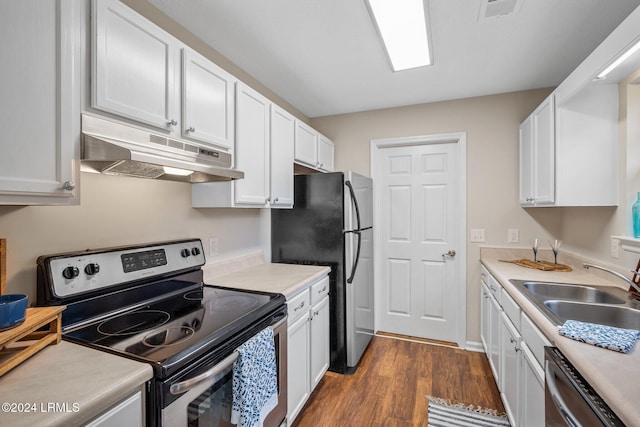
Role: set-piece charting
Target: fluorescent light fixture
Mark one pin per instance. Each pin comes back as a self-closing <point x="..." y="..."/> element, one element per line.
<point x="402" y="25"/>
<point x="618" y="61"/>
<point x="176" y="171"/>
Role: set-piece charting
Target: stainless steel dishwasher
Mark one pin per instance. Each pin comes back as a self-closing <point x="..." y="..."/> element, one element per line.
<point x="569" y="399"/>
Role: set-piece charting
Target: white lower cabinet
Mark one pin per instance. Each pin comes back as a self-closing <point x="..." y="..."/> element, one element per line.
<point x="515" y="349"/>
<point x="127" y="413"/>
<point x="510" y="367"/>
<point x="308" y="344"/>
<point x="532" y="389"/>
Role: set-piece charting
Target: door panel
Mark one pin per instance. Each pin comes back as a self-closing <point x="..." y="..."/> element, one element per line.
<point x="418" y="196"/>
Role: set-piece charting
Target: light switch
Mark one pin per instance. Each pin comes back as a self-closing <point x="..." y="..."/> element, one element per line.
<point x="477" y="235"/>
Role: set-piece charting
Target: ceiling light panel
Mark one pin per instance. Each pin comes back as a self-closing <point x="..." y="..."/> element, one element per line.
<point x="403" y="27"/>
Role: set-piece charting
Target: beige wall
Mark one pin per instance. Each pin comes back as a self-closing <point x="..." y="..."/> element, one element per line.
<point x="491" y="124"/>
<point x="119" y="211"/>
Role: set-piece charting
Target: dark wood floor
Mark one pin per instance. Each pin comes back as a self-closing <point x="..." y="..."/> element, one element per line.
<point x="392" y="381"/>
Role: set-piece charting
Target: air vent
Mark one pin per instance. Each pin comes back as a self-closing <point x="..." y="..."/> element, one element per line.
<point x="498" y="8"/>
<point x="157" y="139"/>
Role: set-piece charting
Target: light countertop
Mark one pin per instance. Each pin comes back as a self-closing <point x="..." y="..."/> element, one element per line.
<point x="286" y="279"/>
<point x="82" y="382"/>
<point x="615" y="376"/>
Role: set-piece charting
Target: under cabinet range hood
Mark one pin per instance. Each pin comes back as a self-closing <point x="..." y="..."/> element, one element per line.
<point x="116" y="149"/>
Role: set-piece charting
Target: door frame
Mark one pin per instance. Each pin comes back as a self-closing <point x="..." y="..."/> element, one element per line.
<point x="459" y="138"/>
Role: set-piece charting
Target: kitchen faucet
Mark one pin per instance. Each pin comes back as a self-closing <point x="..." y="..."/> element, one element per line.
<point x="615" y="273"/>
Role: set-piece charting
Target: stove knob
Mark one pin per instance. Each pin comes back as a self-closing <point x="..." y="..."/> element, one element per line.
<point x="185" y="253"/>
<point x="70" y="272"/>
<point x="195" y="251"/>
<point x="91" y="269"/>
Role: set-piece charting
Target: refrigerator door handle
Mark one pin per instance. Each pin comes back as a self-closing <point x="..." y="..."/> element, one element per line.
<point x="357" y="258"/>
<point x="352" y="193"/>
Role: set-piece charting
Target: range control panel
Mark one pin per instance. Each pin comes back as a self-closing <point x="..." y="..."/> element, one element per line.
<point x="97" y="269"/>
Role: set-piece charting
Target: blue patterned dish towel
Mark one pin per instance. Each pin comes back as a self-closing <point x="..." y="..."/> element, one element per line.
<point x="603" y="336"/>
<point x="255" y="381"/>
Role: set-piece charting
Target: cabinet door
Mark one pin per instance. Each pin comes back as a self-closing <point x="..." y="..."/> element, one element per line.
<point x="207" y="101"/>
<point x="319" y="340"/>
<point x="526" y="162"/>
<point x="544" y="152"/>
<point x="494" y="359"/>
<point x="306" y="143"/>
<point x="252" y="148"/>
<point x="134" y="67"/>
<point x="127" y="413"/>
<point x="282" y="141"/>
<point x="325" y="153"/>
<point x="485" y="319"/>
<point x="532" y="390"/>
<point x="510" y="368"/>
<point x="40" y="96"/>
<point x="298" y="377"/>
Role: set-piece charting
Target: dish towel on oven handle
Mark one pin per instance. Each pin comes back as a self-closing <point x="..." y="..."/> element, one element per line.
<point x="609" y="337"/>
<point x="255" y="380"/>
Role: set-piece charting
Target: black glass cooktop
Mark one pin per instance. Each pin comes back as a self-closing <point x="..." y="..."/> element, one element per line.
<point x="170" y="332"/>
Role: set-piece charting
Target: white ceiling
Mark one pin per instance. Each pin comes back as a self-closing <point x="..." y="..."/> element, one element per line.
<point x="324" y="56"/>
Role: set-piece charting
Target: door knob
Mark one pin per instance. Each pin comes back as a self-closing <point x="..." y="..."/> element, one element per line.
<point x="451" y="253"/>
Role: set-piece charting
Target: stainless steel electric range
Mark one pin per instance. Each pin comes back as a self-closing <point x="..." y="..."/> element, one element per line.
<point x="149" y="303"/>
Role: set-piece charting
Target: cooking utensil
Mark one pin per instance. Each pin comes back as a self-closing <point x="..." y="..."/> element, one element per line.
<point x="3" y="266"/>
<point x="13" y="310"/>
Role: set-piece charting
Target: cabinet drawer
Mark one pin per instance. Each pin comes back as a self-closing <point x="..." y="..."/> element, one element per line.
<point x="495" y="289"/>
<point x="298" y="306"/>
<point x="484" y="274"/>
<point x="536" y="341"/>
<point x="319" y="290"/>
<point x="511" y="308"/>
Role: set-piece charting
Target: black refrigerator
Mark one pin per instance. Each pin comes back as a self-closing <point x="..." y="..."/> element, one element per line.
<point x="331" y="224"/>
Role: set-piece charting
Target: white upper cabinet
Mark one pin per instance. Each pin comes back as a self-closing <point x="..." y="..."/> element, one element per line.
<point x="252" y="150"/>
<point x="306" y="144"/>
<point x="40" y="98"/>
<point x="143" y="74"/>
<point x="264" y="152"/>
<point x="325" y="153"/>
<point x="207" y="101"/>
<point x="281" y="157"/>
<point x="586" y="125"/>
<point x="313" y="149"/>
<point x="537" y="156"/>
<point x="134" y="67"/>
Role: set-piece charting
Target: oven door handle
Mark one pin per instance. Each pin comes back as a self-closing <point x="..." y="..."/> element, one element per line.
<point x="556" y="396"/>
<point x="183" y="386"/>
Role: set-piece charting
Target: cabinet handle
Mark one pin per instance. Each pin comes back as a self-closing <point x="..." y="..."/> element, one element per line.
<point x="172" y="122"/>
<point x="275" y="200"/>
<point x="322" y="290"/>
<point x="512" y="340"/>
<point x="69" y="186"/>
<point x="299" y="307"/>
<point x="315" y="313"/>
<point x="191" y="129"/>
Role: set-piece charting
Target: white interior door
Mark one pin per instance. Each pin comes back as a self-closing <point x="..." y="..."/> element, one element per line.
<point x="420" y="221"/>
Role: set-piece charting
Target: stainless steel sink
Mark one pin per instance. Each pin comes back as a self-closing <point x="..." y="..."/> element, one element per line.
<point x="612" y="315"/>
<point x="566" y="301"/>
<point x="565" y="291"/>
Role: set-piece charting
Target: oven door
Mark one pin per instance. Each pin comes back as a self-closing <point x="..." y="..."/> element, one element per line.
<point x="206" y="395"/>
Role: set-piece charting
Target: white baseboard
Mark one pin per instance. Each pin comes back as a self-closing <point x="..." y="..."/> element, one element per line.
<point x="474" y="346"/>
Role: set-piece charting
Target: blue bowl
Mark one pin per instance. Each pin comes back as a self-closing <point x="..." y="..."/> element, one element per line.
<point x="13" y="310"/>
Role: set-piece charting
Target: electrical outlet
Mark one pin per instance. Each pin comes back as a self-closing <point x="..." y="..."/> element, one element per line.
<point x="615" y="248"/>
<point x="513" y="235"/>
<point x="213" y="246"/>
<point x="477" y="235"/>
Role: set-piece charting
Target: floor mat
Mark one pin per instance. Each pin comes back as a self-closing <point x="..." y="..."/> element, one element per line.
<point x="443" y="413"/>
